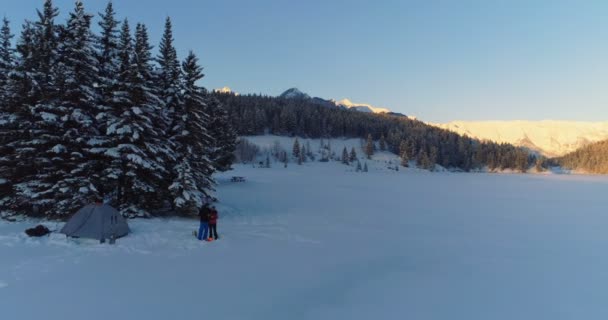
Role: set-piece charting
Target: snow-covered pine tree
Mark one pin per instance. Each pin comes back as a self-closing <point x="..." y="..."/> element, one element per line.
<point x="403" y="148"/>
<point x="169" y="74"/>
<point x="369" y="146"/>
<point x="267" y="164"/>
<point x="6" y="117"/>
<point x="57" y="83"/>
<point x="284" y="158"/>
<point x="345" y="158"/>
<point x="359" y="166"/>
<point x="433" y="157"/>
<point x="296" y="149"/>
<point x="118" y="99"/>
<point x="223" y="144"/>
<point x="7" y="65"/>
<point x="365" y="167"/>
<point x="353" y="155"/>
<point x="193" y="143"/>
<point x="302" y="157"/>
<point x="77" y="104"/>
<point x="423" y="161"/>
<point x="16" y="137"/>
<point x="404" y="159"/>
<point x="133" y="171"/>
<point x="382" y="143"/>
<point x="107" y="54"/>
<point x="46" y="53"/>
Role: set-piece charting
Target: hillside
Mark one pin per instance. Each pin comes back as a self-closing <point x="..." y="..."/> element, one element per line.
<point x="592" y="158"/>
<point x="295" y="114"/>
<point x="549" y="138"/>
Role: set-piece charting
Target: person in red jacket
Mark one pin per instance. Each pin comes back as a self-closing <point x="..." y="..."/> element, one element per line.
<point x="213" y="216"/>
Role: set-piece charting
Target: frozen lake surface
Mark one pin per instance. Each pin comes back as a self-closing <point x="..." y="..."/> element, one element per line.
<point x="320" y="241"/>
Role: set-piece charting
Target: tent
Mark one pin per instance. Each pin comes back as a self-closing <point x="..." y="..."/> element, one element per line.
<point x="96" y="221"/>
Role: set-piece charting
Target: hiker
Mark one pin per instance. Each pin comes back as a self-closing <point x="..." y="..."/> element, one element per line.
<point x="204" y="213"/>
<point x="213" y="223"/>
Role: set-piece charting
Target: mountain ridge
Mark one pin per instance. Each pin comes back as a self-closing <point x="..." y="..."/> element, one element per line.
<point x="295" y="93"/>
<point x="551" y="138"/>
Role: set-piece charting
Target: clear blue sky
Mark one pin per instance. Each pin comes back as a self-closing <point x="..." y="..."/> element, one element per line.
<point x="437" y="60"/>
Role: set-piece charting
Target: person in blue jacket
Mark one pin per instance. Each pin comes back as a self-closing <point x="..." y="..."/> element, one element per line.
<point x="204" y="214"/>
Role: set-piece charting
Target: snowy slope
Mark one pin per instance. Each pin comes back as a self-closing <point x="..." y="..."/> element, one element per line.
<point x="551" y="138"/>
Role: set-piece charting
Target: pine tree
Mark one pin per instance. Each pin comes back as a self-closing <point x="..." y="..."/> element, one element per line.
<point x="539" y="164"/>
<point x="296" y="149"/>
<point x="169" y="77"/>
<point x="18" y="166"/>
<point x="223" y="144"/>
<point x="433" y="158"/>
<point x="369" y="147"/>
<point x="7" y="65"/>
<point x="194" y="140"/>
<point x="353" y="155"/>
<point x="107" y="54"/>
<point x="365" y="167"/>
<point x="359" y="166"/>
<point x="134" y="136"/>
<point x="403" y="148"/>
<point x="284" y="158"/>
<point x="267" y="164"/>
<point x="404" y="159"/>
<point x="345" y="158"/>
<point x="117" y="120"/>
<point x="7" y="130"/>
<point x="63" y="126"/>
<point x="302" y="157"/>
<point x="382" y="143"/>
<point x="303" y="154"/>
<point x="423" y="160"/>
<point x="46" y="53"/>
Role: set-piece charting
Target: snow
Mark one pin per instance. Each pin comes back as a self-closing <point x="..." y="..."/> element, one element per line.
<point x="48" y="117"/>
<point x="59" y="148"/>
<point x="548" y="137"/>
<point x="225" y="90"/>
<point x="363" y="107"/>
<point x="294" y="93"/>
<point x="95" y="142"/>
<point x="320" y="241"/>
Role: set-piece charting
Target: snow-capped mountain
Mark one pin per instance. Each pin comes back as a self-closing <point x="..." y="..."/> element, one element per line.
<point x="295" y="93"/>
<point x="548" y="137"/>
<point x="363" y="107"/>
<point x="225" y="90"/>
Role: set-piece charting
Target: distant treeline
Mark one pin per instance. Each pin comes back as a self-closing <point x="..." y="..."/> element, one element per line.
<point x="411" y="139"/>
<point x="592" y="158"/>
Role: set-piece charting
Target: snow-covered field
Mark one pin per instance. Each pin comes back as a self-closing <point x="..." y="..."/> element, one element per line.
<point x="320" y="241"/>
